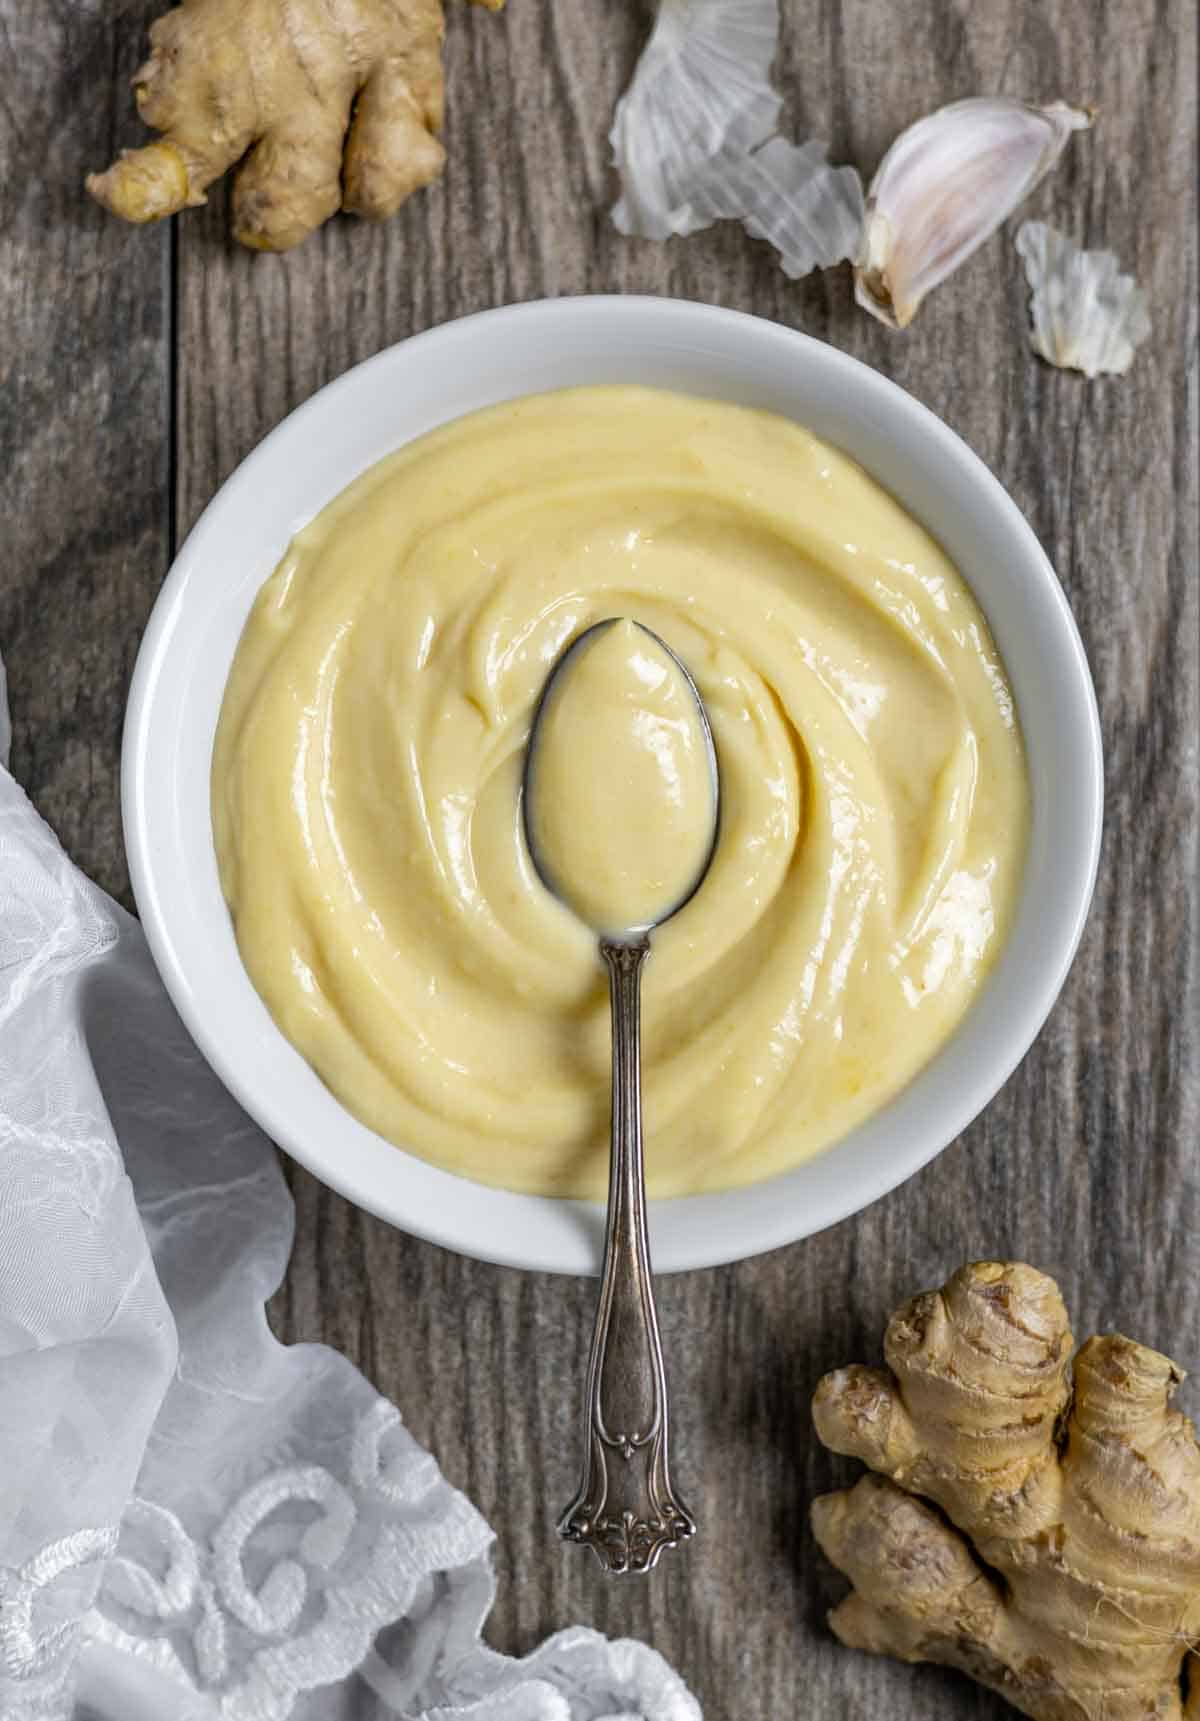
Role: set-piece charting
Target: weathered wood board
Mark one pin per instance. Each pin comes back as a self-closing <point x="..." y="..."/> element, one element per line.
<point x="136" y="370"/>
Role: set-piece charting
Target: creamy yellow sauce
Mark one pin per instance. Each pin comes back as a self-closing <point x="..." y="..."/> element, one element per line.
<point x="622" y="799"/>
<point x="368" y="763"/>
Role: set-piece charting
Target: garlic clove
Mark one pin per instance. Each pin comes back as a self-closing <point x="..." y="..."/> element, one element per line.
<point x="1085" y="315"/>
<point x="694" y="141"/>
<point x="945" y="186"/>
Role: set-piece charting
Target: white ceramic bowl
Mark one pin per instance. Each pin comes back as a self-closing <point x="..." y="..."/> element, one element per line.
<point x="403" y="393"/>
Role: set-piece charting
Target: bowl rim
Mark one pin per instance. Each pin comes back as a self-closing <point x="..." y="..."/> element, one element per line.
<point x="546" y="1233"/>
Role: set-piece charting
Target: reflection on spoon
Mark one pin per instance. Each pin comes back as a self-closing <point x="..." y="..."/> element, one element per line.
<point x="621" y="804"/>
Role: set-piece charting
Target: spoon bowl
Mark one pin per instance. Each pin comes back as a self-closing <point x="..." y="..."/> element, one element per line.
<point x="544" y="865"/>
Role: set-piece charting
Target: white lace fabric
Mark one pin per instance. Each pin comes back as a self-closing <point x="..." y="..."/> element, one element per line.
<point x="196" y="1521"/>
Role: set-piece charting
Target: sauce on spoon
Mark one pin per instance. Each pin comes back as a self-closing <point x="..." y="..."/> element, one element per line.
<point x="621" y="808"/>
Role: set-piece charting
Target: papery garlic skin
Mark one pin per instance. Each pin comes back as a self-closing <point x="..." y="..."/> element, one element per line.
<point x="1086" y="316"/>
<point x="694" y="141"/>
<point x="789" y="195"/>
<point x="945" y="186"/>
<point x="701" y="94"/>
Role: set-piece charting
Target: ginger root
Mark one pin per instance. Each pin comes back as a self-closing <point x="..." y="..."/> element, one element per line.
<point x="339" y="106"/>
<point x="1068" y="1575"/>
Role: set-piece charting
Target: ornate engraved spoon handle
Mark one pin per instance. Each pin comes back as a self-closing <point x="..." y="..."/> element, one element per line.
<point x="626" y="1509"/>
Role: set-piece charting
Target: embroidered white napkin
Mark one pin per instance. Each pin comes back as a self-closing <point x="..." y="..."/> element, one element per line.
<point x="196" y="1521"/>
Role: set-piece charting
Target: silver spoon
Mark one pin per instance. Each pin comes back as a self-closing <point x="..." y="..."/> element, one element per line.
<point x="626" y="1509"/>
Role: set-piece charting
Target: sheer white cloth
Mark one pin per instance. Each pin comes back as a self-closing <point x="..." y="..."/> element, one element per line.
<point x="196" y="1521"/>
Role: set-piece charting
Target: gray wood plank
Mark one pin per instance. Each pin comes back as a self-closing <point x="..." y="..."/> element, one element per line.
<point x="1087" y="1163"/>
<point x="84" y="415"/>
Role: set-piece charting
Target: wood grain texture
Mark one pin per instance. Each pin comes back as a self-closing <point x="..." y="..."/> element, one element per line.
<point x="85" y="437"/>
<point x="1087" y="1163"/>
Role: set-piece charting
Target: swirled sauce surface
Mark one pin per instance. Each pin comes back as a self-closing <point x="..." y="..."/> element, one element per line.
<point x="367" y="770"/>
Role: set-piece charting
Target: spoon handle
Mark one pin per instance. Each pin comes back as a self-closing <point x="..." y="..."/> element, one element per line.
<point x="626" y="1509"/>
